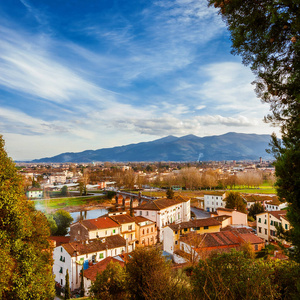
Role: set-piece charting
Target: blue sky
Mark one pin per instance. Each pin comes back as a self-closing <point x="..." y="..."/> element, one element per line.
<point x="78" y="75"/>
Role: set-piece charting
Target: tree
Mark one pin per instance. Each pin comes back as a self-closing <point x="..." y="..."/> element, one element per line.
<point x="25" y="251"/>
<point x="63" y="221"/>
<point x="110" y="284"/>
<point x="267" y="35"/>
<point x="81" y="283"/>
<point x="67" y="286"/>
<point x="64" y="191"/>
<point x="235" y="201"/>
<point x="52" y="224"/>
<point x="150" y="276"/>
<point x="255" y="209"/>
<point x="170" y="193"/>
<point x="236" y="276"/>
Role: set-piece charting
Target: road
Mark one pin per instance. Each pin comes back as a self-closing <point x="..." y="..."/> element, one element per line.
<point x="200" y="214"/>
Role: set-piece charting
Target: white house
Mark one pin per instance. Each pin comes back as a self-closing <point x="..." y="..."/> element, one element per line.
<point x="266" y="221"/>
<point x="165" y="211"/>
<point x="35" y="193"/>
<point x="77" y="255"/>
<point x="214" y="200"/>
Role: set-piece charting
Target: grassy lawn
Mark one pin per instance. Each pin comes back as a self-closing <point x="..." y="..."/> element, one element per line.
<point x="70" y="201"/>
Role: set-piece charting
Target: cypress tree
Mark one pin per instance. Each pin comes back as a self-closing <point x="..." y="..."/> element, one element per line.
<point x="67" y="286"/>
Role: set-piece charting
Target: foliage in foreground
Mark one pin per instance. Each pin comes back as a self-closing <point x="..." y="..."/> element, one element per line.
<point x="234" y="276"/>
<point x="25" y="251"/>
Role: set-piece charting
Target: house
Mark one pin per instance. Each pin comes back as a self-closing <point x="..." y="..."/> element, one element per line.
<point x="35" y="193"/>
<point x="173" y="232"/>
<point x="76" y="256"/>
<point x="165" y="211"/>
<point x="94" y="228"/>
<point x="236" y="217"/>
<point x="90" y="274"/>
<point x="214" y="200"/>
<point x="267" y="222"/>
<point x="128" y="227"/>
<point x="269" y="203"/>
<point x="194" y="246"/>
<point x="146" y="231"/>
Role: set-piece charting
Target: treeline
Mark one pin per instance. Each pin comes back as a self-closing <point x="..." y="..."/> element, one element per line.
<point x="234" y="275"/>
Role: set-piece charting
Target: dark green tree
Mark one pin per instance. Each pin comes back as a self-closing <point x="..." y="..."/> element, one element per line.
<point x="63" y="221"/>
<point x="266" y="33"/>
<point x="25" y="251"/>
<point x="35" y="184"/>
<point x="235" y="201"/>
<point x="52" y="224"/>
<point x="64" y="191"/>
<point x="255" y="209"/>
<point x="170" y="193"/>
<point x="81" y="284"/>
<point x="110" y="284"/>
<point x="67" y="286"/>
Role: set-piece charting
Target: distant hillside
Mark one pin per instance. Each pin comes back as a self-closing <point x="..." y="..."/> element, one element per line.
<point x="229" y="146"/>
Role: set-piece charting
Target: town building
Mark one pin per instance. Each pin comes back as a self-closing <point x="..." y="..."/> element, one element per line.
<point x="76" y="256"/>
<point x="214" y="200"/>
<point x="94" y="228"/>
<point x="35" y="193"/>
<point x="267" y="222"/>
<point x="165" y="211"/>
<point x="173" y="232"/>
<point x="235" y="217"/>
<point x="146" y="231"/>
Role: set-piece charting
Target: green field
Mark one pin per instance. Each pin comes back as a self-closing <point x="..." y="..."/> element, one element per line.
<point x="70" y="201"/>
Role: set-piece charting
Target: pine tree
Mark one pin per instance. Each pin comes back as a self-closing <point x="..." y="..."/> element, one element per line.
<point x="266" y="33"/>
<point x="25" y="250"/>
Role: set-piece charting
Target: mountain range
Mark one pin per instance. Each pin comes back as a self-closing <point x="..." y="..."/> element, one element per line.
<point x="229" y="146"/>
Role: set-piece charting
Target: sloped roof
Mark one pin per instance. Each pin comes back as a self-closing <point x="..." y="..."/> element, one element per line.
<point x="95" y="245"/>
<point x="91" y="272"/>
<point x="278" y="213"/>
<point x="140" y="219"/>
<point x="122" y="219"/>
<point x="158" y="204"/>
<point x="99" y="223"/>
<point x="214" y="193"/>
<point x="251" y="238"/>
<point x="195" y="223"/>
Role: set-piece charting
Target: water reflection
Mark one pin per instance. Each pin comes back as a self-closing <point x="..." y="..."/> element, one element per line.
<point x="88" y="214"/>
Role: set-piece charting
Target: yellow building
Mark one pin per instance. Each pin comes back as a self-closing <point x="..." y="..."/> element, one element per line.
<point x="173" y="232"/>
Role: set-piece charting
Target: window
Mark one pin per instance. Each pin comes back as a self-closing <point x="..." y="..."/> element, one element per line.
<point x="217" y="204"/>
<point x="141" y="213"/>
<point x="259" y="229"/>
<point x="143" y="231"/>
<point x="206" y="227"/>
<point x="286" y="226"/>
<point x="147" y="230"/>
<point x="61" y="270"/>
<point x="176" y="242"/>
<point x="259" y="220"/>
<point x="255" y="247"/>
<point x="151" y="229"/>
<point x="266" y="231"/>
<point x="147" y="213"/>
<point x="185" y="229"/>
<point x="61" y="250"/>
<point x="265" y="221"/>
<point x="114" y="230"/>
<point x="271" y="222"/>
<point x="129" y="227"/>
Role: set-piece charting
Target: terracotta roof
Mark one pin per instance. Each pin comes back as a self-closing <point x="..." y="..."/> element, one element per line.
<point x="91" y="272"/>
<point x="122" y="219"/>
<point x="259" y="198"/>
<point x="225" y="209"/>
<point x="140" y="219"/>
<point x="95" y="245"/>
<point x="251" y="238"/>
<point x="158" y="204"/>
<point x="278" y="213"/>
<point x="195" y="223"/>
<point x="216" y="239"/>
<point x="237" y="229"/>
<point x="222" y="218"/>
<point x="99" y="223"/>
<point x="59" y="240"/>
